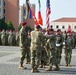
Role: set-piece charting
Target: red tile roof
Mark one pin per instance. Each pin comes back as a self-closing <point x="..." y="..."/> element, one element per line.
<point x="65" y="20"/>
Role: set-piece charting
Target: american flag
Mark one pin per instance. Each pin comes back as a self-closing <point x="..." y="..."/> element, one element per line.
<point x="48" y="11"/>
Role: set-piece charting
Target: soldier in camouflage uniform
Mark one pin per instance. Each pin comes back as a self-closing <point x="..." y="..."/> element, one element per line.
<point x="28" y="49"/>
<point x="64" y="35"/>
<point x="73" y="38"/>
<point x="36" y="40"/>
<point x="59" y="45"/>
<point x="50" y="46"/>
<point x="11" y="38"/>
<point x="17" y="38"/>
<point x="68" y="49"/>
<point x="23" y="45"/>
<point x="64" y="39"/>
<point x="14" y="38"/>
<point x="7" y="34"/>
<point x="3" y="37"/>
<point x="43" y="52"/>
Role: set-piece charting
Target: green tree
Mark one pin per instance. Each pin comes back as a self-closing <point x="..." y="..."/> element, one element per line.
<point x="10" y="25"/>
<point x="3" y="24"/>
<point x="19" y="27"/>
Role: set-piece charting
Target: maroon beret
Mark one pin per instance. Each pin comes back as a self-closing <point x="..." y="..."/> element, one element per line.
<point x="38" y="26"/>
<point x="51" y="29"/>
<point x="58" y="30"/>
<point x="23" y="23"/>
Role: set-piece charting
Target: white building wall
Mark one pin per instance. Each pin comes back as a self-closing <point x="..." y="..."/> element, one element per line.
<point x="1" y="9"/>
<point x="63" y="24"/>
<point x="21" y="14"/>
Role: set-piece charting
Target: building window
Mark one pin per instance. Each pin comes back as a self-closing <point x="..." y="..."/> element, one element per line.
<point x="57" y="26"/>
<point x="63" y="27"/>
<point x="51" y="26"/>
<point x="4" y="18"/>
<point x="74" y="27"/>
<point x="4" y="3"/>
<point x="4" y="11"/>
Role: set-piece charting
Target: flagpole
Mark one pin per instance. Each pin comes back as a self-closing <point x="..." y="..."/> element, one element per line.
<point x="27" y="9"/>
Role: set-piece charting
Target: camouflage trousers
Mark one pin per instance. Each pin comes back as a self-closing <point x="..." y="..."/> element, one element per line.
<point x="52" y="57"/>
<point x="43" y="56"/>
<point x="68" y="55"/>
<point x="28" y="55"/>
<point x="4" y="42"/>
<point x="17" y="43"/>
<point x="59" y="52"/>
<point x="35" y="58"/>
<point x="23" y="54"/>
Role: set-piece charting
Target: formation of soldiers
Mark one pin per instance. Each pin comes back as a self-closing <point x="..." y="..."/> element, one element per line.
<point x="9" y="38"/>
<point x="41" y="48"/>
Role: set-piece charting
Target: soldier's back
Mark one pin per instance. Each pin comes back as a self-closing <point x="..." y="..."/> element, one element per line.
<point x="35" y="36"/>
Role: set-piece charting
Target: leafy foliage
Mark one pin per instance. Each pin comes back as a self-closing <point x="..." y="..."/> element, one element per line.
<point x="10" y="26"/>
<point x="3" y="24"/>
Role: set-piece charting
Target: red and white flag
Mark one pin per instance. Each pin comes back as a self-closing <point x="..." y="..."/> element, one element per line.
<point x="48" y="12"/>
<point x="34" y="18"/>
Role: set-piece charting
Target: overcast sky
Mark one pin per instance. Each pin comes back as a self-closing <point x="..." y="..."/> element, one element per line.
<point x="59" y="8"/>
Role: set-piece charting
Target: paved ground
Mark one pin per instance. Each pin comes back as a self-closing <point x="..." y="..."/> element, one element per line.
<point x="9" y="60"/>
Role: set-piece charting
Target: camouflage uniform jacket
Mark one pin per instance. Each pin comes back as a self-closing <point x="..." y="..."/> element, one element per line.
<point x="50" y="44"/>
<point x="23" y="38"/>
<point x="59" y="40"/>
<point x="36" y="39"/>
<point x="69" y="43"/>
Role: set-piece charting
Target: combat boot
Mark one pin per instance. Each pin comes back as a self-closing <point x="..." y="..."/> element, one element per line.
<point x="57" y="68"/>
<point x="66" y="65"/>
<point x="49" y="68"/>
<point x="33" y="70"/>
<point x="41" y="66"/>
<point x="21" y="66"/>
<point x="36" y="70"/>
<point x="69" y="65"/>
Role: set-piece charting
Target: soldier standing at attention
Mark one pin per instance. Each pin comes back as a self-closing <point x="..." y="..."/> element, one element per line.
<point x="28" y="49"/>
<point x="3" y="37"/>
<point x="59" y="45"/>
<point x="68" y="49"/>
<point x="7" y="34"/>
<point x="23" y="45"/>
<point x="14" y="38"/>
<point x="10" y="38"/>
<point x="17" y="38"/>
<point x="36" y="40"/>
<point x="64" y="37"/>
<point x="50" y="46"/>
